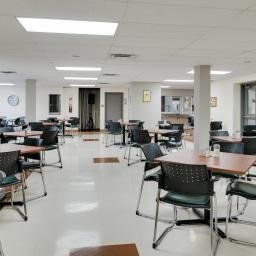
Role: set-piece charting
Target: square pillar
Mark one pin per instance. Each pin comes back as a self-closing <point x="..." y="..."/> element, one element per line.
<point x="202" y="93"/>
<point x="30" y="102"/>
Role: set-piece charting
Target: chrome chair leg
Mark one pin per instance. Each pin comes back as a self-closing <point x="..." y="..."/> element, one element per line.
<point x="232" y="220"/>
<point x="60" y="160"/>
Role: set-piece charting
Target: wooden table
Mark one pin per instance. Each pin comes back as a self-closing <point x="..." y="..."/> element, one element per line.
<point x="23" y="134"/>
<point x="124" y="125"/>
<point x="161" y="132"/>
<point x="227" y="138"/>
<point x="107" y="250"/>
<point x="8" y="147"/>
<point x="226" y="163"/>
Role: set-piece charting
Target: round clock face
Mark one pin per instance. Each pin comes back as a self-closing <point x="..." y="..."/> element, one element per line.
<point x="13" y="100"/>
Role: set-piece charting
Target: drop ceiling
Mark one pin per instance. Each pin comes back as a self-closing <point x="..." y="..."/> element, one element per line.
<point x="168" y="38"/>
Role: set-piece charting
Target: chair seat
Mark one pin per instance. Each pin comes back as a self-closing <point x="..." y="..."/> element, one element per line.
<point x="9" y="181"/>
<point x="50" y="147"/>
<point x="246" y="190"/>
<point x="186" y="200"/>
<point x="30" y="165"/>
<point x="153" y="177"/>
<point x="225" y="175"/>
<point x="172" y="144"/>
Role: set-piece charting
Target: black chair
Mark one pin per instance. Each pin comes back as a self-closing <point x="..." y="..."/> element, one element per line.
<point x="50" y="142"/>
<point x="229" y="147"/>
<point x="249" y="128"/>
<point x="36" y="126"/>
<point x="151" y="152"/>
<point x="134" y="121"/>
<point x="250" y="149"/>
<point x="219" y="133"/>
<point x="174" y="141"/>
<point x="3" y="138"/>
<point x="52" y="119"/>
<point x="73" y="123"/>
<point x="249" y="145"/>
<point x="33" y="162"/>
<point x="7" y="129"/>
<point x="10" y="166"/>
<point x="249" y="134"/>
<point x="215" y="125"/>
<point x="188" y="186"/>
<point x="239" y="189"/>
<point x="138" y="139"/>
<point x="115" y="129"/>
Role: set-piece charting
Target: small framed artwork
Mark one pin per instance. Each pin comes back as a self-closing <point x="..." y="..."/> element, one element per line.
<point x="70" y="105"/>
<point x="146" y="96"/>
<point x="213" y="102"/>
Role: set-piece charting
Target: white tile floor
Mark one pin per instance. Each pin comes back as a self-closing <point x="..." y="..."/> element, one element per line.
<point x="93" y="204"/>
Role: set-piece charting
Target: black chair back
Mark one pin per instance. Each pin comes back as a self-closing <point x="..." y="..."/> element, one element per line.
<point x="115" y="128"/>
<point x="249" y="128"/>
<point x="152" y="151"/>
<point x="107" y="124"/>
<point x="7" y="129"/>
<point x="230" y="147"/>
<point x="219" y="133"/>
<point x="35" y="142"/>
<point x="180" y="127"/>
<point x="74" y="121"/>
<point x="215" y="125"/>
<point x="52" y="119"/>
<point x="140" y="136"/>
<point x="51" y="128"/>
<point x="36" y="126"/>
<point x="185" y="179"/>
<point x="134" y="121"/>
<point x="10" y="163"/>
<point x="141" y="125"/>
<point x="49" y="138"/>
<point x="3" y="138"/>
<point x="249" y="145"/>
<point x="250" y="133"/>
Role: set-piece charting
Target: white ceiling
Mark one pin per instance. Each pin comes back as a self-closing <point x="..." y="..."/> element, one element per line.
<point x="168" y="37"/>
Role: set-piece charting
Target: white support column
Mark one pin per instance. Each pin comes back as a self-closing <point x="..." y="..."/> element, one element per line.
<point x="30" y="96"/>
<point x="202" y="92"/>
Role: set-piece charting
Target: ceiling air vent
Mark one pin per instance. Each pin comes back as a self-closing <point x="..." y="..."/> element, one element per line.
<point x="8" y="72"/>
<point x="104" y="83"/>
<point x="110" y="74"/>
<point x="122" y="56"/>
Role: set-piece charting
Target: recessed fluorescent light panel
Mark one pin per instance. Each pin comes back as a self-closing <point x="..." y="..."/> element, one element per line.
<point x="82" y="85"/>
<point x="78" y="68"/>
<point x="6" y="84"/>
<point x="165" y="86"/>
<point x="179" y="80"/>
<point x="68" y="26"/>
<point x="81" y="78"/>
<point x="214" y="72"/>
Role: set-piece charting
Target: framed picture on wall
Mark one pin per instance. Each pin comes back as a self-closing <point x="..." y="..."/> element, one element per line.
<point x="70" y="104"/>
<point x="146" y="96"/>
<point x="213" y="102"/>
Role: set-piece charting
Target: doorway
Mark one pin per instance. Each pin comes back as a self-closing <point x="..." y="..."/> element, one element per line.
<point x="113" y="106"/>
<point x="89" y="109"/>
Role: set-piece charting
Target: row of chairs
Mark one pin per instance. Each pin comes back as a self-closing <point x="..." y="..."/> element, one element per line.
<point x="193" y="189"/>
<point x="12" y="164"/>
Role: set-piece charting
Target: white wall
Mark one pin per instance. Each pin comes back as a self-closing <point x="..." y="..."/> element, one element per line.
<point x="150" y="112"/>
<point x="177" y="92"/>
<point x="10" y="111"/>
<point x="228" y="93"/>
<point x="103" y="90"/>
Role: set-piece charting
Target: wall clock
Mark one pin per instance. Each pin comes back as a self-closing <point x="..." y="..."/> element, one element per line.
<point x="13" y="100"/>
